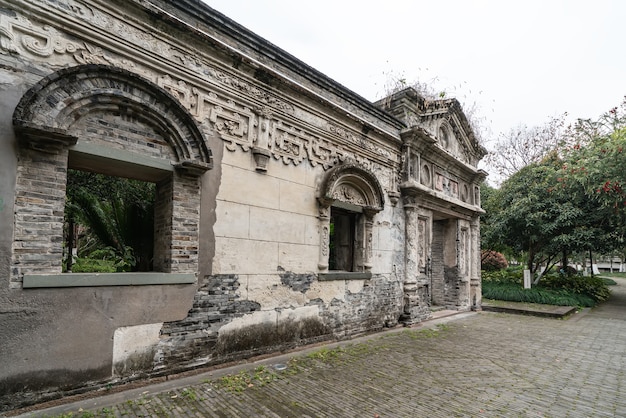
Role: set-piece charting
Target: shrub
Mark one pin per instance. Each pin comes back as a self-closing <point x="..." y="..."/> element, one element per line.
<point x="508" y="276"/>
<point x="90" y="265"/>
<point x="515" y="293"/>
<point x="592" y="286"/>
<point x="553" y="289"/>
<point x="493" y="260"/>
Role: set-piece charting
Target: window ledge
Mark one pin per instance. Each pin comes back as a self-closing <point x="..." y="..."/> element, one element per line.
<point x="345" y="275"/>
<point x="105" y="279"/>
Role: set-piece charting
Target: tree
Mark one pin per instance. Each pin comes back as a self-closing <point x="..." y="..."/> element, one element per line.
<point x="596" y="165"/>
<point x="490" y="202"/>
<point x="523" y="205"/>
<point x="525" y="145"/>
<point x="538" y="216"/>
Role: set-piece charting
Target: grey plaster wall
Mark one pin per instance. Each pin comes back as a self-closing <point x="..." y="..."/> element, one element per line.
<point x="60" y="339"/>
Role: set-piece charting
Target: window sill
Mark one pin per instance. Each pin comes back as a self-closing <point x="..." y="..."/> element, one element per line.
<point x="345" y="275"/>
<point x="105" y="279"/>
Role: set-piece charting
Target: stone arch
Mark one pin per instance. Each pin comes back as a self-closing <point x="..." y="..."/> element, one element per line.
<point x="67" y="120"/>
<point x="59" y="100"/>
<point x="352" y="184"/>
<point x="349" y="198"/>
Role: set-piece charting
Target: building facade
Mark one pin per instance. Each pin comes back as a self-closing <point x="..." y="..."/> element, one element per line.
<point x="288" y="209"/>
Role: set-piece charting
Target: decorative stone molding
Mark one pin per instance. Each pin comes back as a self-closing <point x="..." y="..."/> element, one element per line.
<point x="394" y="196"/>
<point x="234" y="123"/>
<point x="89" y="54"/>
<point x="43" y="138"/>
<point x="193" y="168"/>
<point x="259" y="130"/>
<point x="261" y="158"/>
<point x="18" y="35"/>
<point x="351" y="186"/>
<point x="57" y="105"/>
<point x="359" y="140"/>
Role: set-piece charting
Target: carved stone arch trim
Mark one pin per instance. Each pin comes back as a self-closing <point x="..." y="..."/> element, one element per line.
<point x="57" y="101"/>
<point x="53" y="116"/>
<point x="348" y="186"/>
<point x="352" y="184"/>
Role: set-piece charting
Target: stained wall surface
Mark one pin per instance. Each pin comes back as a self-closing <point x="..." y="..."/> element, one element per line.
<point x="255" y="156"/>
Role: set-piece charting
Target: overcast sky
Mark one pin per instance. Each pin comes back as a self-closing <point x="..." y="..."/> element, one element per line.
<point x="520" y="62"/>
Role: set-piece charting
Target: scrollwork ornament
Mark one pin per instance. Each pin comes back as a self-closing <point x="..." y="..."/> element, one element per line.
<point x="19" y="35"/>
<point x="325" y="240"/>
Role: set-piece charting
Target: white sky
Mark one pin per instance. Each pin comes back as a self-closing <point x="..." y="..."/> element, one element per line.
<point x="520" y="62"/>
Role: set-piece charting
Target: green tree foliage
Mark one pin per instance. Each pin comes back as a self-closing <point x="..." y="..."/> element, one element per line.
<point x="540" y="218"/>
<point x="596" y="168"/>
<point x="118" y="212"/>
<point x="491" y="206"/>
<point x="572" y="200"/>
<point x="598" y="165"/>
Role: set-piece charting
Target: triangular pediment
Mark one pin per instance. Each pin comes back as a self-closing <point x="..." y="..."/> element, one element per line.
<point x="443" y="120"/>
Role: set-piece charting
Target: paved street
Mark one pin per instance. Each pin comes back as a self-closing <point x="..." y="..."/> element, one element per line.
<point x="469" y="365"/>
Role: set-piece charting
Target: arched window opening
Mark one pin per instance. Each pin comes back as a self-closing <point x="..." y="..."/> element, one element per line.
<point x="349" y="199"/>
<point x="105" y="120"/>
<point x="109" y="224"/>
<point x="343" y="225"/>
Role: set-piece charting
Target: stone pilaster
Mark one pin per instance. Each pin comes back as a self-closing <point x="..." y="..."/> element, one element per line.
<point x="368" y="223"/>
<point x="324" y="222"/>
<point x="475" y="281"/>
<point x="412" y="311"/>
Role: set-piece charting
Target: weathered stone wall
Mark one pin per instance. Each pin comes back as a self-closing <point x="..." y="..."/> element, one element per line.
<point x="163" y="91"/>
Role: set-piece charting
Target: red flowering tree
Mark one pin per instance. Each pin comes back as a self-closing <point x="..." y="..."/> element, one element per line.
<point x="493" y="260"/>
<point x="597" y="163"/>
<point x="572" y="200"/>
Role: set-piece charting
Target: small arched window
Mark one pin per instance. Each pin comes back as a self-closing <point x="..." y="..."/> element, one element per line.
<point x="444" y="137"/>
<point x="349" y="198"/>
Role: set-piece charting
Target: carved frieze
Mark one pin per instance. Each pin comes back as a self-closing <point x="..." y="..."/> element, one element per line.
<point x="360" y="140"/>
<point x="446" y="185"/>
<point x="465" y="193"/>
<point x="288" y="144"/>
<point x="231" y="125"/>
<point x="232" y="122"/>
<point x="19" y="35"/>
<point x="347" y="193"/>
<point x="247" y="88"/>
<point x="236" y="124"/>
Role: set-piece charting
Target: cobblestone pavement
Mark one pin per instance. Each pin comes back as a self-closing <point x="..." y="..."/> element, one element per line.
<point x="468" y="365"/>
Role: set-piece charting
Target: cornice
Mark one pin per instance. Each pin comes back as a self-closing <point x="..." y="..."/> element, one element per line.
<point x="417" y="195"/>
<point x="260" y="53"/>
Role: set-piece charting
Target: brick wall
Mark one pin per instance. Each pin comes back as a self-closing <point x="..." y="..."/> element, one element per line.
<point x="199" y="339"/>
<point x="39" y="209"/>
